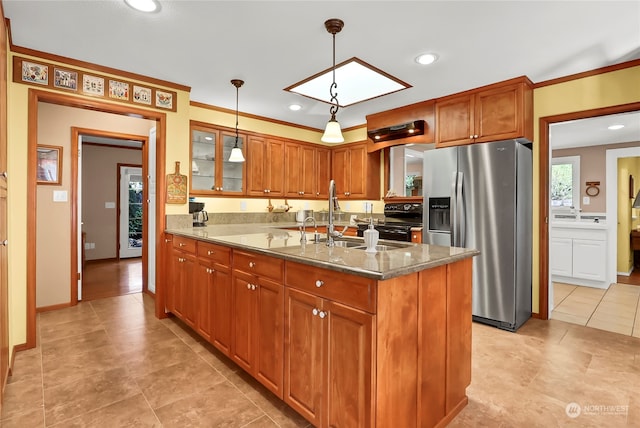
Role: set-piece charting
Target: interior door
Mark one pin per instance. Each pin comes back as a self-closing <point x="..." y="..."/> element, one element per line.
<point x="131" y="207"/>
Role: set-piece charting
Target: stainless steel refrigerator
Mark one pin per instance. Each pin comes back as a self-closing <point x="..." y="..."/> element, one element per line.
<point x="480" y="196"/>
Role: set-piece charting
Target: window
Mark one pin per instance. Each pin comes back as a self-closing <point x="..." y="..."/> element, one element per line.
<point x="565" y="182"/>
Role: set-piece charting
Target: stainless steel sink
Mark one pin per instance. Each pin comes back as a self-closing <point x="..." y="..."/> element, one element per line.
<point x="382" y="247"/>
<point x="347" y="244"/>
<point x="358" y="244"/>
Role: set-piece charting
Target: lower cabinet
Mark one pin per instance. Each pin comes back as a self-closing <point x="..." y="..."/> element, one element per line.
<point x="579" y="255"/>
<point x="181" y="298"/>
<point x="328" y="361"/>
<point x="258" y="318"/>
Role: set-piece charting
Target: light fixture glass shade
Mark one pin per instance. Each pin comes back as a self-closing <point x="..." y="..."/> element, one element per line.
<point x="332" y="133"/>
<point x="236" y="155"/>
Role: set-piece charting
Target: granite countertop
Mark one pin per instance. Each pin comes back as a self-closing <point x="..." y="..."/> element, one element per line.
<point x="277" y="241"/>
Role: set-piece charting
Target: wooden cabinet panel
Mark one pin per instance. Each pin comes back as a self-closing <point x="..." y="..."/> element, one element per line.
<point x="184" y="244"/>
<point x="203" y="299"/>
<point x="300" y="170"/>
<point x="349" y="361"/>
<point x="244" y="309"/>
<point x="265" y="163"/>
<point x="454" y="121"/>
<point x="351" y="290"/>
<point x="257" y="328"/>
<point x="221" y="307"/>
<point x="269" y="335"/>
<point x="323" y="173"/>
<point x="496" y="112"/>
<point x="356" y="172"/>
<point x="303" y="377"/>
<point x="258" y="264"/>
<point x="183" y="275"/>
<point x="213" y="252"/>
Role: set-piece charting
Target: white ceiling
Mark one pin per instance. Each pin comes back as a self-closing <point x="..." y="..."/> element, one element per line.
<point x="273" y="44"/>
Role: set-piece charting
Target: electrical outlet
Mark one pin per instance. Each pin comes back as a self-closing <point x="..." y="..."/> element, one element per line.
<point x="243" y="205"/>
<point x="87" y="246"/>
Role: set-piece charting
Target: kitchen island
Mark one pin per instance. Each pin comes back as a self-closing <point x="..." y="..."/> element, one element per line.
<point x="346" y="338"/>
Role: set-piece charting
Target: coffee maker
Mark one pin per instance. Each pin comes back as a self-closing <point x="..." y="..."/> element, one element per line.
<point x="199" y="215"/>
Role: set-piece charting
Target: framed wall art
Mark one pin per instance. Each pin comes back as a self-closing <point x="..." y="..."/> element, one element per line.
<point x="35" y="73"/>
<point x="141" y="95"/>
<point x="164" y="99"/>
<point x="49" y="163"/>
<point x="65" y="79"/>
<point x="118" y="90"/>
<point x="92" y="85"/>
<point x="87" y="83"/>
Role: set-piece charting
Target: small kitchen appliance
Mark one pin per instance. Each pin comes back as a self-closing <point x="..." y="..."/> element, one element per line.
<point x="200" y="217"/>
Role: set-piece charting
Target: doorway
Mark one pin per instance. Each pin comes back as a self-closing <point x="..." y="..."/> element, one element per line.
<point x="130" y="209"/>
<point x="81" y="108"/>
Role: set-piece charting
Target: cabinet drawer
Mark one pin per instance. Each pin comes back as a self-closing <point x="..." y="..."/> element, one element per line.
<point x="215" y="253"/>
<point x="184" y="244"/>
<point x="348" y="289"/>
<point x="258" y="264"/>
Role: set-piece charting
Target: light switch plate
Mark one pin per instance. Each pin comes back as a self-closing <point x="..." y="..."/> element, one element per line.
<point x="109" y="204"/>
<point x="60" y="196"/>
<point x="586" y="200"/>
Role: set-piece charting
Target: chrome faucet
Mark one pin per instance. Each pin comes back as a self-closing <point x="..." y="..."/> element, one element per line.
<point x="303" y="230"/>
<point x="333" y="205"/>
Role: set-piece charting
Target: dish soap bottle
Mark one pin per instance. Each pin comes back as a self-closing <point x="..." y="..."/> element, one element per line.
<point x="371" y="236"/>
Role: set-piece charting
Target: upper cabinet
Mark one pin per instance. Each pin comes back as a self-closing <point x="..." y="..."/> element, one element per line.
<point x="265" y="162"/>
<point x="356" y="172"/>
<point x="496" y="112"/>
<point x="307" y="170"/>
<point x="211" y="171"/>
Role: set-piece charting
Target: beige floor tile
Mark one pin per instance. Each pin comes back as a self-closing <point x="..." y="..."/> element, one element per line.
<point x="582" y="299"/>
<point x="614" y="314"/>
<point x="75" y="344"/>
<point x="130" y="412"/>
<point x="578" y="309"/>
<point x="608" y="325"/>
<point x="66" y="401"/>
<point x="221" y="405"/>
<point x="21" y="398"/>
<point x="263" y="422"/>
<point x="77" y="366"/>
<point x="80" y="312"/>
<point x="178" y="381"/>
<point x="27" y="367"/>
<point x="574" y="319"/>
<point x="632" y="289"/>
<point x="63" y="330"/>
<point x="153" y="358"/>
<point x="32" y="419"/>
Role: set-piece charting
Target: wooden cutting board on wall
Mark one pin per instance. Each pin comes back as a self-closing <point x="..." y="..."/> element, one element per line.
<point x="176" y="187"/>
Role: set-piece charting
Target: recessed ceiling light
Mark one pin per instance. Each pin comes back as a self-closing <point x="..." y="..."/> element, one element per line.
<point x="614" y="127"/>
<point x="295" y="107"/>
<point x="143" y="5"/>
<point x="426" y="59"/>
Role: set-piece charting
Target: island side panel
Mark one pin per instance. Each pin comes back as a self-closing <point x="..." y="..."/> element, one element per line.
<point x="397" y="352"/>
<point x="432" y="337"/>
<point x="459" y="321"/>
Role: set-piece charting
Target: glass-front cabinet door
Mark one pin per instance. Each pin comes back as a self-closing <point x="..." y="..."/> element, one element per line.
<point x="211" y="171"/>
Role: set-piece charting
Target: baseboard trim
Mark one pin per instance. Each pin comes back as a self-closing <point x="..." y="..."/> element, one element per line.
<point x="536" y="315"/>
<point x="54" y="307"/>
<point x="150" y="293"/>
<point x="16" y="349"/>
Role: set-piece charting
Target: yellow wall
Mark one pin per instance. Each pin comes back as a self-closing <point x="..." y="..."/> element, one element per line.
<point x="602" y="90"/>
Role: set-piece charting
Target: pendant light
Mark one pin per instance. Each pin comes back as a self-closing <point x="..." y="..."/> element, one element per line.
<point x="333" y="133"/>
<point x="236" y="152"/>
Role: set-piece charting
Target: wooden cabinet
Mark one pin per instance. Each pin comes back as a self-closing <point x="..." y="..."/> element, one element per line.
<point x="356" y="172"/>
<point x="258" y="317"/>
<point x="213" y="320"/>
<point x="300" y="177"/>
<point x="323" y="172"/>
<point x="496" y="112"/>
<point x="211" y="172"/>
<point x="416" y="235"/>
<point x="265" y="164"/>
<point x="182" y="298"/>
<point x="329" y="352"/>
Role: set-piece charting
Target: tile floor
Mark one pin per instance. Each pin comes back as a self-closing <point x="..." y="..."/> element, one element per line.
<point x="616" y="309"/>
<point x="111" y="363"/>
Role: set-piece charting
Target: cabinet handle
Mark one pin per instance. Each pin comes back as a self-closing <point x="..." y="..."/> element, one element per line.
<point x="315" y="311"/>
<point x="248" y="286"/>
<point x="252" y="264"/>
<point x="181" y="260"/>
<point x="209" y="252"/>
<point x="167" y="240"/>
<point x="181" y="244"/>
<point x="322" y="314"/>
<point x="475" y="136"/>
<point x="253" y="286"/>
<point x="220" y="188"/>
<point x="5" y="243"/>
<point x="4" y="174"/>
<point x="319" y="283"/>
<point x="209" y="270"/>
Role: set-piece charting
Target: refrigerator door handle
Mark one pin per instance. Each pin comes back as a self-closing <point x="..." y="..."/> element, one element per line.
<point x="461" y="223"/>
<point x="453" y="208"/>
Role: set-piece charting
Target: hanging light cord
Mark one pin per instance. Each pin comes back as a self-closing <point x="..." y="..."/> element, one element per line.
<point x="334" y="86"/>
<point x="236" y="144"/>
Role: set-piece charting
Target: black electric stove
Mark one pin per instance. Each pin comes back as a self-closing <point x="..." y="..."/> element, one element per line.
<point x="399" y="218"/>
